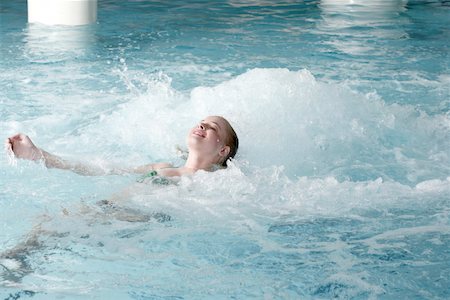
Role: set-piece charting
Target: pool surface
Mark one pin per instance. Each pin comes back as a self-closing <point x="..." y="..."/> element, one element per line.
<point x="340" y="189"/>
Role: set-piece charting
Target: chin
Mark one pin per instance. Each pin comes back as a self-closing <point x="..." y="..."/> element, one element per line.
<point x="192" y="143"/>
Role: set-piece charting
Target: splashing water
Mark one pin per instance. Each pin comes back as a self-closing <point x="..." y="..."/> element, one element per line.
<point x="340" y="188"/>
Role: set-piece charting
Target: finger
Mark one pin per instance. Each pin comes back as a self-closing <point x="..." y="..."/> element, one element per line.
<point x="17" y="137"/>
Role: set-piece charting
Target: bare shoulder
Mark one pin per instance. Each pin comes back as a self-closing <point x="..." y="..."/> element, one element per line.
<point x="175" y="172"/>
<point x="150" y="167"/>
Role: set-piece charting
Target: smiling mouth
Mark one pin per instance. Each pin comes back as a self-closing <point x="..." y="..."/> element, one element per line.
<point x="199" y="133"/>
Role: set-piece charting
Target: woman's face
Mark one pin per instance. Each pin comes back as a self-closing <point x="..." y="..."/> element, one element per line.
<point x="208" y="136"/>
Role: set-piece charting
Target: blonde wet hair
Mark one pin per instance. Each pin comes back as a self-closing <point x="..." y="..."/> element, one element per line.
<point x="231" y="141"/>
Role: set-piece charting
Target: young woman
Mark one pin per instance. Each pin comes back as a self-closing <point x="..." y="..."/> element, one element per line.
<point x="211" y="144"/>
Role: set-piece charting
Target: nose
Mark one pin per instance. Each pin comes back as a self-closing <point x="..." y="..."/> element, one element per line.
<point x="201" y="126"/>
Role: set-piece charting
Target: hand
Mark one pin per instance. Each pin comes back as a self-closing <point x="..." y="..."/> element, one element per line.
<point x="22" y="147"/>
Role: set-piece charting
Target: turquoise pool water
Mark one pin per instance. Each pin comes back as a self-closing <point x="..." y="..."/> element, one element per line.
<point x="341" y="188"/>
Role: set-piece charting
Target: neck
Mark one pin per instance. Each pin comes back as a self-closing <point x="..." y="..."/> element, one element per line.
<point x="195" y="162"/>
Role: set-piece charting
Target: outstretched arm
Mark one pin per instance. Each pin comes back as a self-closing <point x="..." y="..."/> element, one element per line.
<point x="22" y="147"/>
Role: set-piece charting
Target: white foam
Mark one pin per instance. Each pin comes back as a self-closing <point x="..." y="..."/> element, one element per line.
<point x="285" y="119"/>
<point x="10" y="264"/>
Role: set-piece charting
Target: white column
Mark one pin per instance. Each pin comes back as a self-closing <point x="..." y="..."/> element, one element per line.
<point x="62" y="12"/>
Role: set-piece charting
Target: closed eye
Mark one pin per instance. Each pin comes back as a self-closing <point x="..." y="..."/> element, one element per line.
<point x="215" y="126"/>
<point x="212" y="126"/>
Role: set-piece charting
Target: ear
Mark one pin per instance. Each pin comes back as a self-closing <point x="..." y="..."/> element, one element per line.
<point x="224" y="151"/>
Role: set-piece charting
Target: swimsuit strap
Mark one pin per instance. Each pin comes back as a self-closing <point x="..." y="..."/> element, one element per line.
<point x="152" y="177"/>
<point x="152" y="173"/>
